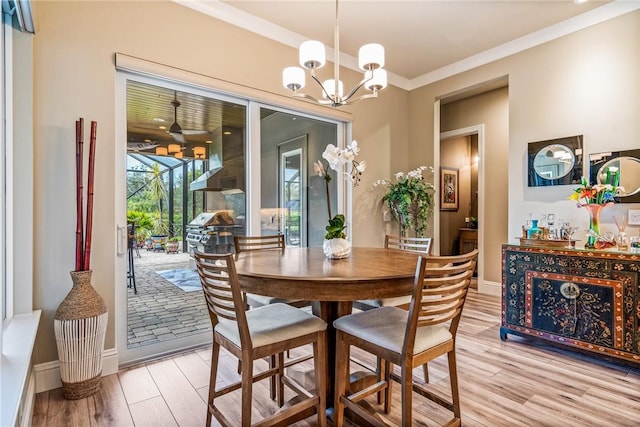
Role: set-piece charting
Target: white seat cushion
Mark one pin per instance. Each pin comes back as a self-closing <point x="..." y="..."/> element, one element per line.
<point x="376" y="303"/>
<point x="272" y="323"/>
<point x="385" y="327"/>
<point x="254" y="300"/>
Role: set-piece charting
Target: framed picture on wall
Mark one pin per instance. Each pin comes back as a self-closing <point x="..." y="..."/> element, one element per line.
<point x="448" y="189"/>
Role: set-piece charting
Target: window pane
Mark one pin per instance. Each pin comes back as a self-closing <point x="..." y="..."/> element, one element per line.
<point x="283" y="133"/>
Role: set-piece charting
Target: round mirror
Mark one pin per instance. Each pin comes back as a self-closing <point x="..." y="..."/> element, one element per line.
<point x="623" y="172"/>
<point x="554" y="161"/>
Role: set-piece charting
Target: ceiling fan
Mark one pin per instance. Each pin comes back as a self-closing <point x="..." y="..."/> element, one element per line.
<point x="141" y="146"/>
<point x="175" y="130"/>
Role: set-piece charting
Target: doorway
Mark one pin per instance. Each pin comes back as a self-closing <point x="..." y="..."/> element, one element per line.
<point x="460" y="229"/>
<point x="293" y="190"/>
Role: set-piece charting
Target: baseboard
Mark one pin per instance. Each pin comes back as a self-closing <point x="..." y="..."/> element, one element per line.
<point x="26" y="410"/>
<point x="47" y="375"/>
<point x="490" y="288"/>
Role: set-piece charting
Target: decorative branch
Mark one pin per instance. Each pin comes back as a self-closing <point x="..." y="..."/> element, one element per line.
<point x="86" y="265"/>
<point x="79" y="193"/>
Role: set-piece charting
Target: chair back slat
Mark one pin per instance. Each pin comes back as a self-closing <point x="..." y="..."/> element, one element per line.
<point x="221" y="288"/>
<point x="413" y="244"/>
<point x="258" y="243"/>
<point x="439" y="292"/>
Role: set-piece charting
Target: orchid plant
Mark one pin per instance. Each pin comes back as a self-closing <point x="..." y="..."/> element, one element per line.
<point x="336" y="159"/>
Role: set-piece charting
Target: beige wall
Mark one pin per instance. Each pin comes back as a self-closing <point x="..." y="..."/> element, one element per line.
<point x="490" y="109"/>
<point x="75" y="77"/>
<point x="585" y="83"/>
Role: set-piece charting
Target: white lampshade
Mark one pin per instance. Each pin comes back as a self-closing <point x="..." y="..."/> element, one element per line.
<point x="174" y="148"/>
<point x="312" y="54"/>
<point x="293" y="78"/>
<point x="371" y="56"/>
<point x="379" y="80"/>
<point x="330" y="87"/>
<point x="161" y="151"/>
<point x="178" y="155"/>
<point x="199" y="151"/>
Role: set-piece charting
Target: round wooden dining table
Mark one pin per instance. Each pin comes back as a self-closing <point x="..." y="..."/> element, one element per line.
<point x="331" y="284"/>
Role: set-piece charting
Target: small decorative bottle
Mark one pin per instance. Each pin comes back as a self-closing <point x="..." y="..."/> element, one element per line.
<point x="534" y="232"/>
<point x="622" y="241"/>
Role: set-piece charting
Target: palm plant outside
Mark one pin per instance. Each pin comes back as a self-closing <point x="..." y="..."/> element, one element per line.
<point x="156" y="185"/>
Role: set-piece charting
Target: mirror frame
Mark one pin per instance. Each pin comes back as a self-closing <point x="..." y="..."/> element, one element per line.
<point x="574" y="176"/>
<point x="598" y="159"/>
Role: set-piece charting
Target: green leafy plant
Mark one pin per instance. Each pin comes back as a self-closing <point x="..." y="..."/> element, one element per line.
<point x="156" y="185"/>
<point x="335" y="229"/>
<point x="410" y="200"/>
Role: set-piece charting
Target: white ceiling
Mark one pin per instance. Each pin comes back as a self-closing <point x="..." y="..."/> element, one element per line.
<point x="424" y="40"/>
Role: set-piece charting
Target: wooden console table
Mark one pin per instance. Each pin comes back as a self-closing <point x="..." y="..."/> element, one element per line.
<point x="468" y="240"/>
<point x="583" y="299"/>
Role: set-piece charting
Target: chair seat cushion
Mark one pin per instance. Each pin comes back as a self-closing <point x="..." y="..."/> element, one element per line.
<point x="377" y="303"/>
<point x="255" y="301"/>
<point x="272" y="323"/>
<point x="385" y="328"/>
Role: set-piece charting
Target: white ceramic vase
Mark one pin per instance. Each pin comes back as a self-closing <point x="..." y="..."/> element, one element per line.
<point x="336" y="248"/>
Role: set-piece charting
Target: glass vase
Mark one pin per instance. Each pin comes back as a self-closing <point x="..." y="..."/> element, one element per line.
<point x="594" y="211"/>
<point x="336" y="248"/>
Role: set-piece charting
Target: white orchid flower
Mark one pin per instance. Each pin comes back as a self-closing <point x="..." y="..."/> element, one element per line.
<point x="319" y="168"/>
<point x="360" y="167"/>
<point x="399" y="176"/>
<point x="353" y="147"/>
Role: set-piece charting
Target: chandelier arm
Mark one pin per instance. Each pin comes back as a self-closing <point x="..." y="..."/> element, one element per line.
<point x="360" y="98"/>
<point x="356" y="87"/>
<point x="324" y="90"/>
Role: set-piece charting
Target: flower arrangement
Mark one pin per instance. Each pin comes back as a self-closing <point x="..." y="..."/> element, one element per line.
<point x="599" y="194"/>
<point x="336" y="158"/>
<point x="594" y="198"/>
<point x="410" y="199"/>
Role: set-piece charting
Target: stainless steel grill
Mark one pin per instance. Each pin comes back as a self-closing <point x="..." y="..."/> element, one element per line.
<point x="212" y="232"/>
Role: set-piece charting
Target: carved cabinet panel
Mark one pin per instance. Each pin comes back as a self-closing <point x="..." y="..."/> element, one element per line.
<point x="583" y="299"/>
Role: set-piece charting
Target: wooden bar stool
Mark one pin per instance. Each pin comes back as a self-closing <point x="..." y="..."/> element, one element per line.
<point x="259" y="333"/>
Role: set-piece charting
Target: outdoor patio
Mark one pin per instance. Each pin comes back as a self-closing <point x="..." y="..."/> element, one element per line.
<point x="162" y="311"/>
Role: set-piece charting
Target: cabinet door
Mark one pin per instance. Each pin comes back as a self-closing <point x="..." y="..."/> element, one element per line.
<point x="581" y="308"/>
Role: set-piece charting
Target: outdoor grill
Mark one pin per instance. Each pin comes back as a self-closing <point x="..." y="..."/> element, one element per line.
<point x="212" y="232"/>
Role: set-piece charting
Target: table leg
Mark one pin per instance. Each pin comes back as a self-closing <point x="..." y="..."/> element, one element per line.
<point x="330" y="311"/>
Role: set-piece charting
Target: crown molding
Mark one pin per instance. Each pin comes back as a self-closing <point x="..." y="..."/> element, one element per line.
<point x="239" y="18"/>
<point x="561" y="29"/>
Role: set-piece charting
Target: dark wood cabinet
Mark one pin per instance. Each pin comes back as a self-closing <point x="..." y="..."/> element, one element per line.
<point x="468" y="240"/>
<point x="577" y="298"/>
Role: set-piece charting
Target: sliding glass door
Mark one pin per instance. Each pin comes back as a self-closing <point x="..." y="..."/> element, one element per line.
<point x="293" y="199"/>
<point x="232" y="157"/>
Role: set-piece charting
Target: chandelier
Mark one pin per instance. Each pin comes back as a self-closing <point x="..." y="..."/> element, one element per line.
<point x="312" y="57"/>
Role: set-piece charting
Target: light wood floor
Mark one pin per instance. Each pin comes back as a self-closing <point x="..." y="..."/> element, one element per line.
<point x="515" y="383"/>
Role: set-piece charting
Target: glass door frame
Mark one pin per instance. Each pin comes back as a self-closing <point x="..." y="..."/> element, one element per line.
<point x="254" y="186"/>
<point x="128" y="356"/>
<point x="283" y="199"/>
